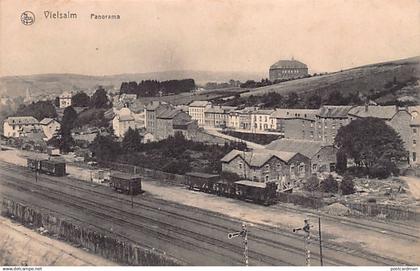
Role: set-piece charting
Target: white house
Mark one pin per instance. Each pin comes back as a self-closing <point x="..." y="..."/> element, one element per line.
<point x="123" y="120"/>
<point x="196" y="111"/>
<point x="50" y="127"/>
<point x="18" y="126"/>
<point x="65" y="99"/>
<point x="261" y="120"/>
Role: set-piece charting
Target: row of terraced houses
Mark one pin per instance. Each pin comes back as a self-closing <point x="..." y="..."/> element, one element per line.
<point x="319" y="125"/>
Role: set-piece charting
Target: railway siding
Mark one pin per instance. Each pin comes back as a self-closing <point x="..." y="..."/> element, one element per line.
<point x="104" y="244"/>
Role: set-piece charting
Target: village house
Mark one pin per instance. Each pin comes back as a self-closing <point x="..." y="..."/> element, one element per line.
<point x="122" y="121"/>
<point x="65" y="99"/>
<point x="241" y="119"/>
<point x="153" y="109"/>
<point x="261" y="120"/>
<point x="323" y="158"/>
<point x="328" y="120"/>
<point x="397" y="118"/>
<point x="217" y="116"/>
<point x="284" y="168"/>
<point x="50" y="127"/>
<point x="171" y="121"/>
<point x="196" y="111"/>
<point x="295" y="123"/>
<point x="19" y="126"/>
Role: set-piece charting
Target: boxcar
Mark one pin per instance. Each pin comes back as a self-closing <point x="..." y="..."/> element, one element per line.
<point x="125" y="183"/>
<point x="262" y="193"/>
<point x="202" y="181"/>
<point x="52" y="167"/>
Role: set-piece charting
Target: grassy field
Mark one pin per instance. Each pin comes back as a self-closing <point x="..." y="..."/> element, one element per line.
<point x="361" y="79"/>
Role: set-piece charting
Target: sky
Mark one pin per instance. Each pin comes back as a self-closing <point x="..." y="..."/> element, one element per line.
<point x="210" y="35"/>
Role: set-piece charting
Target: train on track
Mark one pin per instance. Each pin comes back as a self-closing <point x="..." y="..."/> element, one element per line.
<point x="260" y="193"/>
<point x="125" y="183"/>
<point x="50" y="167"/>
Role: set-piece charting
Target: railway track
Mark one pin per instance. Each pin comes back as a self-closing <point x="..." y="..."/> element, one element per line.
<point x="268" y="242"/>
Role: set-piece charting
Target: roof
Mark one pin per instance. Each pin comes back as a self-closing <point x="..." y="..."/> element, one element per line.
<point x="200" y="103"/>
<point x="154" y="104"/>
<point x="65" y="94"/>
<point x="137" y="107"/>
<point x="295" y="113"/>
<point x="288" y="64"/>
<point x="26" y="120"/>
<point x="305" y="147"/>
<point x="334" y="111"/>
<point x="258" y="158"/>
<point x="125" y="114"/>
<point x="46" y="121"/>
<point x="169" y="114"/>
<point x="201" y="175"/>
<point x="251" y="183"/>
<point x="264" y="111"/>
<point x="214" y="109"/>
<point x="123" y="175"/>
<point x="381" y="112"/>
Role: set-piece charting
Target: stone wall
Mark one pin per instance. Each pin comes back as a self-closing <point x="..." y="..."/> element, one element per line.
<point x="105" y="244"/>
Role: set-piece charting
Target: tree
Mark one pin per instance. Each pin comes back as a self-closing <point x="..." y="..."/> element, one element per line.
<point x="99" y="99"/>
<point x="347" y="185"/>
<point x="341" y="161"/>
<point x="65" y="140"/>
<point x="292" y="100"/>
<point x="38" y="110"/>
<point x="131" y="141"/>
<point x="105" y="148"/>
<point x="311" y="184"/>
<point x="370" y="142"/>
<point x="80" y="99"/>
<point x="313" y="101"/>
<point x="336" y="98"/>
<point x="329" y="185"/>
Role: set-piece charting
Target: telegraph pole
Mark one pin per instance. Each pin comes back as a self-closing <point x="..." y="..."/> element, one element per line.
<point x="307" y="239"/>
<point x="244" y="234"/>
<point x="320" y="242"/>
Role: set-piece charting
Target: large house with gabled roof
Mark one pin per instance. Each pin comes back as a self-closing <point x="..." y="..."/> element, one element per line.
<point x="268" y="166"/>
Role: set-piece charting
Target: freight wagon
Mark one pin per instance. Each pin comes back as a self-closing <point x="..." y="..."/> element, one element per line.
<point x="125" y="183"/>
<point x="50" y="167"/>
<point x="261" y="193"/>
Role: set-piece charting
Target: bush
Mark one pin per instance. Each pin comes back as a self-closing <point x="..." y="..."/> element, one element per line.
<point x="383" y="169"/>
<point x="347" y="185"/>
<point x="371" y="200"/>
<point x="311" y="184"/>
<point x="177" y="167"/>
<point x="329" y="185"/>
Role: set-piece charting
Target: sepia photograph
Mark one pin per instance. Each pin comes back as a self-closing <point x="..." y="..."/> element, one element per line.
<point x="209" y="133"/>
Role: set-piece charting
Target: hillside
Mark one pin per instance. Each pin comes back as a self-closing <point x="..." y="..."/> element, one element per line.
<point x="49" y="84"/>
<point x="366" y="79"/>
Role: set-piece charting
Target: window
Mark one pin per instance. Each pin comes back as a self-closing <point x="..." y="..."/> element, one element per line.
<point x="279" y="166"/>
<point x="414" y="130"/>
<point x="267" y="167"/>
<point x="414" y="142"/>
<point x="314" y="167"/>
<point x="240" y="165"/>
<point x="266" y="178"/>
<point x="414" y="157"/>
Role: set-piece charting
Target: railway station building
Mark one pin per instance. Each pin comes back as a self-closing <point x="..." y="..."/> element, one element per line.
<point x="284" y="168"/>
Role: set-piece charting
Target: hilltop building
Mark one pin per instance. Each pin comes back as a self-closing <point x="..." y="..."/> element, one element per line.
<point x="287" y="69"/>
<point x="65" y="99"/>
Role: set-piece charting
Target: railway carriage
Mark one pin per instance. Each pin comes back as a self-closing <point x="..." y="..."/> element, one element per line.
<point x="125" y="183"/>
<point x="50" y="167"/>
<point x="261" y="193"/>
<point x="201" y="181"/>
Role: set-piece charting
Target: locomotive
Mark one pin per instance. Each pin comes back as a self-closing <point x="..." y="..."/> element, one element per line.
<point x="260" y="193"/>
<point x="125" y="183"/>
<point x="50" y="167"/>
